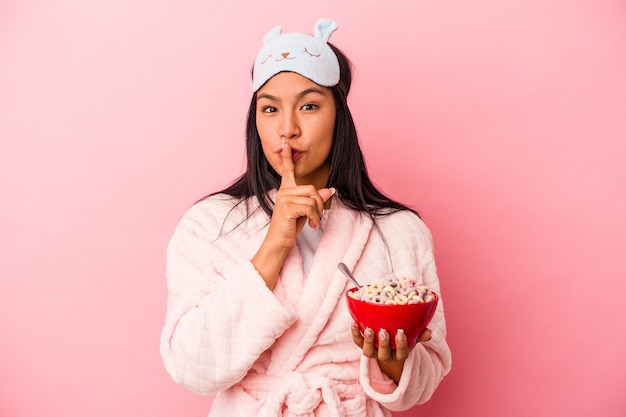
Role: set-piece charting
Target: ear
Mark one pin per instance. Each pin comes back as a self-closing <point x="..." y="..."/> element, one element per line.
<point x="324" y="28"/>
<point x="272" y="34"/>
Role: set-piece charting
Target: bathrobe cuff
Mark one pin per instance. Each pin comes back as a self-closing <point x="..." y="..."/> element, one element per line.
<point x="382" y="389"/>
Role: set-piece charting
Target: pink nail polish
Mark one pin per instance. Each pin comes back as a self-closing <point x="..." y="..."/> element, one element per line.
<point x="382" y="335"/>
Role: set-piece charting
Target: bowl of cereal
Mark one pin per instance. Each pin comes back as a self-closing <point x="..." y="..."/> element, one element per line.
<point x="391" y="305"/>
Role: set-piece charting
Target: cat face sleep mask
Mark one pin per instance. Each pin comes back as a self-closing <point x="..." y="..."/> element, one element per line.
<point x="309" y="56"/>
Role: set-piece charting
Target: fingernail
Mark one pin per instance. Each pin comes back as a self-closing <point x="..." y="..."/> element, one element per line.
<point x="382" y="335"/>
<point x="400" y="335"/>
<point x="332" y="191"/>
<point x="369" y="333"/>
<point x="354" y="326"/>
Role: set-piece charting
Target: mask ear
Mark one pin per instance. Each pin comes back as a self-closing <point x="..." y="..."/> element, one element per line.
<point x="324" y="28"/>
<point x="272" y="34"/>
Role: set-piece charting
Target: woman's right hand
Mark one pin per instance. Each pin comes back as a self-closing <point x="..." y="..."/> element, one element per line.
<point x="294" y="206"/>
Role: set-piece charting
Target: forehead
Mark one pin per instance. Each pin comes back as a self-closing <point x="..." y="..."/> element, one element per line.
<point x="291" y="83"/>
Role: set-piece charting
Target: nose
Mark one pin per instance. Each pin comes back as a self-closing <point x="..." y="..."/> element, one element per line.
<point x="289" y="125"/>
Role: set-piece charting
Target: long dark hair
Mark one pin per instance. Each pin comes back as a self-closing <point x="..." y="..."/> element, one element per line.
<point x="348" y="173"/>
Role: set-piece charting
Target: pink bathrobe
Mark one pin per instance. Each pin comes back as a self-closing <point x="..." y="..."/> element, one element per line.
<point x="289" y="352"/>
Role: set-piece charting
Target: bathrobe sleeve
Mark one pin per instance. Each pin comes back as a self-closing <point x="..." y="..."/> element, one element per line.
<point x="220" y="315"/>
<point x="411" y="242"/>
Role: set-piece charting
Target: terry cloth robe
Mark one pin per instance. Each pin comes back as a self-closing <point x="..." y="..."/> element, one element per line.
<point x="289" y="352"/>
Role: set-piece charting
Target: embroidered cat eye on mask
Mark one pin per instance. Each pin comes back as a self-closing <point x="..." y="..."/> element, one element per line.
<point x="309" y="56"/>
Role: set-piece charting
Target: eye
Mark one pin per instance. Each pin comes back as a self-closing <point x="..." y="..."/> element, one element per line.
<point x="268" y="109"/>
<point x="309" y="107"/>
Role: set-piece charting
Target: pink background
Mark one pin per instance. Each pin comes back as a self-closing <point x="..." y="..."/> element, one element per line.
<point x="503" y="122"/>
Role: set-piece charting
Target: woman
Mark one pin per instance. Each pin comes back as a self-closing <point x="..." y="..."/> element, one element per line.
<point x="256" y="311"/>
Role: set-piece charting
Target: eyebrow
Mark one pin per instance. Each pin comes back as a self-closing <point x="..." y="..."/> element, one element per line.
<point x="315" y="90"/>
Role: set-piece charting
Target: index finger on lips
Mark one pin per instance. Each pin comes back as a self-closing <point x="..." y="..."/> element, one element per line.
<point x="288" y="170"/>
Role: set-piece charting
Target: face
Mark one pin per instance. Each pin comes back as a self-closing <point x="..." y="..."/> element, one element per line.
<point x="294" y="107"/>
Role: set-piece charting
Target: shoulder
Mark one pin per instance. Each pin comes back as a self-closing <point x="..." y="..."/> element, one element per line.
<point x="404" y="220"/>
<point x="213" y="205"/>
<point x="406" y="227"/>
<point x="210" y="215"/>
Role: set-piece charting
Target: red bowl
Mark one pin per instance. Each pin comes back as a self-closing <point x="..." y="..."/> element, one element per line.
<point x="412" y="318"/>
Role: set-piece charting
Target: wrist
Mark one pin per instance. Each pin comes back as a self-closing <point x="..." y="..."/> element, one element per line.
<point x="393" y="369"/>
<point x="268" y="262"/>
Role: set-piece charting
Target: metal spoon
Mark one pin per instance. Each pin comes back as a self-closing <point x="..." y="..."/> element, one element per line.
<point x="344" y="268"/>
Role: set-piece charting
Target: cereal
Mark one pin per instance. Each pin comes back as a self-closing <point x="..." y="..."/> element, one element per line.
<point x="393" y="292"/>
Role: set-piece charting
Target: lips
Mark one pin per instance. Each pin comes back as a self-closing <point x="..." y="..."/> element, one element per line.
<point x="295" y="153"/>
